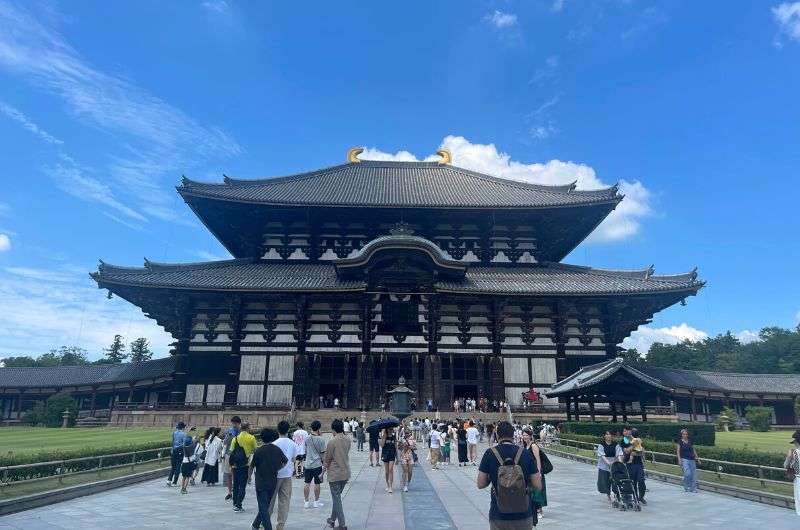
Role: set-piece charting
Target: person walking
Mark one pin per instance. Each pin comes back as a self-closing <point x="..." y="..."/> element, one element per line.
<point x="213" y="453"/>
<point x="266" y="462"/>
<point x="407" y="447"/>
<point x="435" y="439"/>
<point x="283" y="488"/>
<point x="792" y="466"/>
<point x="606" y="455"/>
<point x="227" y="471"/>
<point x="299" y="437"/>
<point x="472" y="442"/>
<point x="538" y="497"/>
<point x="510" y="506"/>
<point x="636" y="466"/>
<point x="461" y="439"/>
<point x="374" y="449"/>
<point x="337" y="463"/>
<point x="176" y="455"/>
<point x="243" y="446"/>
<point x="315" y="449"/>
<point x="187" y="464"/>
<point x="360" y="436"/>
<point x="688" y="461"/>
<point x="388" y="456"/>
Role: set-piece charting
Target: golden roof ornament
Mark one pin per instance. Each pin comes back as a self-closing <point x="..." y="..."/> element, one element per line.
<point x="447" y="158"/>
<point x="352" y="154"/>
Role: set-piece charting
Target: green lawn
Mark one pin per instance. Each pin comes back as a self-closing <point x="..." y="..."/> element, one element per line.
<point x="769" y="442"/>
<point x="35" y="439"/>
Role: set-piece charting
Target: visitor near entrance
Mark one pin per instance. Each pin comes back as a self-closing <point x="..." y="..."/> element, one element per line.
<point x="472" y="442"/>
<point x="315" y="449"/>
<point x="176" y="456"/>
<point x="266" y="462"/>
<point x="242" y="447"/>
<point x="512" y="473"/>
<point x="337" y="462"/>
<point x="606" y="455"/>
<point x="299" y="437"/>
<point x="792" y="465"/>
<point x="283" y="489"/>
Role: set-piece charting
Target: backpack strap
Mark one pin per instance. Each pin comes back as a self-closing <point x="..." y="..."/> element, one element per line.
<point x="497" y="456"/>
<point x="518" y="456"/>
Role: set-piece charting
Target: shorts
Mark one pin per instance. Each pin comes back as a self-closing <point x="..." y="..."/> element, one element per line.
<point x="187" y="468"/>
<point x="314" y="473"/>
<point x="300" y="458"/>
<point x="373" y="445"/>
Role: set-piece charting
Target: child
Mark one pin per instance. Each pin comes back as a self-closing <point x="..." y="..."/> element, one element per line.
<point x="446" y="447"/>
<point x="360" y="438"/>
<point x="187" y="465"/>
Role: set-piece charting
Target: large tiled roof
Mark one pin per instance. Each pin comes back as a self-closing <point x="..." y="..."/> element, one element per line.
<point x="280" y="276"/>
<point x="727" y="382"/>
<point x="596" y="374"/>
<point x="93" y="374"/>
<point x="398" y="184"/>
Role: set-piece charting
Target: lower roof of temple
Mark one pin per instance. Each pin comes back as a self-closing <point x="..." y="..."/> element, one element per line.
<point x="257" y="275"/>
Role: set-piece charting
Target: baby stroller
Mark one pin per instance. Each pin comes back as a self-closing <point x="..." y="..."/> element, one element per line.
<point x="625" y="496"/>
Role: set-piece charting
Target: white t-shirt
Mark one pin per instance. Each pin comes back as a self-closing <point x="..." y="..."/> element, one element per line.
<point x="289" y="449"/>
<point x="346" y="426"/>
<point x="436" y="439"/>
<point x="472" y="435"/>
<point x="300" y="436"/>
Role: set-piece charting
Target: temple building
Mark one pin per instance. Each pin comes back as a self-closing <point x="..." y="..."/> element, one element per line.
<point x="345" y="278"/>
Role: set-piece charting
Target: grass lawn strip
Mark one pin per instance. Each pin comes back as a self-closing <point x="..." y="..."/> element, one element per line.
<point x="20" y="440"/>
<point x="766" y="442"/>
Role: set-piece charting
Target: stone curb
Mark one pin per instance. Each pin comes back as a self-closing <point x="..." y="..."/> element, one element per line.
<point x="773" y="499"/>
<point x="47" y="498"/>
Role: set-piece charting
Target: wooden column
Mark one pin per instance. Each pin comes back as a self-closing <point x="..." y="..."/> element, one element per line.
<point x="577" y="409"/>
<point x="366" y="379"/>
<point x="693" y="406"/>
<point x="591" y="409"/>
<point x="346" y="386"/>
<point x="624" y="407"/>
<point x="794" y="410"/>
<point x="569" y="409"/>
<point x="130" y="393"/>
<point x="359" y="381"/>
<point x="760" y="400"/>
<point x="234" y="363"/>
<point x="415" y="373"/>
<point x="94" y="400"/>
<point x="641" y="406"/>
<point x="613" y="405"/>
<point x="182" y="307"/>
<point x="432" y="369"/>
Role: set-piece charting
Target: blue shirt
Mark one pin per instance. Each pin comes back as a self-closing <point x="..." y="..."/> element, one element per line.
<point x="178" y="439"/>
<point x="490" y="466"/>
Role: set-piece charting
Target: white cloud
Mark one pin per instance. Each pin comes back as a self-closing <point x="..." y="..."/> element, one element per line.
<point x="623" y="222"/>
<point x="155" y="139"/>
<point x="216" y="6"/>
<point x="47" y="308"/>
<point x="5" y="242"/>
<point x="17" y="115"/>
<point x="557" y="6"/>
<point x="645" y="336"/>
<point x="797" y="318"/>
<point x="746" y="336"/>
<point x="501" y="20"/>
<point x="547" y="73"/>
<point x="787" y="16"/>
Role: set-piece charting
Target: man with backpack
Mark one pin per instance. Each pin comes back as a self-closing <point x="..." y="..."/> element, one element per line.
<point x="512" y="473"/>
<point x="242" y="447"/>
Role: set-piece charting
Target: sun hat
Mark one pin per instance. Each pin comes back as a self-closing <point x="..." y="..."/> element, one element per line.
<point x="796" y="437"/>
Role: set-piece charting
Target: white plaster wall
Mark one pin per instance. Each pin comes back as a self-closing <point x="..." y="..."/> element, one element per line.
<point x="253" y="368"/>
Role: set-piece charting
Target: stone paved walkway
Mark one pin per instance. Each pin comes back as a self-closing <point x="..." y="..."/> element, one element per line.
<point x="440" y="500"/>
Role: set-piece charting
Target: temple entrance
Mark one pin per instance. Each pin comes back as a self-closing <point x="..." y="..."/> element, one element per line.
<point x="328" y="392"/>
<point x="465" y="391"/>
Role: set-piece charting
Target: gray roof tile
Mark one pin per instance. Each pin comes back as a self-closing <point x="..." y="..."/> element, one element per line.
<point x="93" y="374"/>
<point x="398" y="184"/>
<point x="727" y="382"/>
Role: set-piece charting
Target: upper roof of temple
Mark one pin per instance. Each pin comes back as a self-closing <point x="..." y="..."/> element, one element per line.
<point x="386" y="184"/>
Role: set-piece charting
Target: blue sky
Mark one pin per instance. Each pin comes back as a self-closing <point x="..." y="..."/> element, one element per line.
<point x="691" y="106"/>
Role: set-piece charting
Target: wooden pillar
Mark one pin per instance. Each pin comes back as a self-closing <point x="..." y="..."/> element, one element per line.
<point x="234" y="363"/>
<point x="577" y="409"/>
<point x="569" y="409"/>
<point x="359" y="381"/>
<point x="641" y="406"/>
<point x="694" y="407"/>
<point x="346" y="390"/>
<point x="366" y="380"/>
<point x="130" y="393"/>
<point x="613" y="405"/>
<point x="624" y="407"/>
<point x="591" y="409"/>
<point x="94" y="400"/>
<point x="415" y="372"/>
<point x="794" y="410"/>
<point x="760" y="400"/>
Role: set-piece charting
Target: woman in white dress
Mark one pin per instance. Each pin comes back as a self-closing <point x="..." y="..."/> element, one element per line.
<point x="213" y="452"/>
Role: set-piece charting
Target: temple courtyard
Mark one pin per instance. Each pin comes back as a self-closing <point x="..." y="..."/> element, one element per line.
<point x="441" y="500"/>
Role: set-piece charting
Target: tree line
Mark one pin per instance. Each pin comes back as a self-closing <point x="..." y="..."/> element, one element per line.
<point x="137" y="351"/>
<point x="777" y="351"/>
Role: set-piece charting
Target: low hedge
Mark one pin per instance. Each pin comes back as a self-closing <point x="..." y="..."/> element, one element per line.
<point x="743" y="456"/>
<point x="146" y="451"/>
<point x="700" y="433"/>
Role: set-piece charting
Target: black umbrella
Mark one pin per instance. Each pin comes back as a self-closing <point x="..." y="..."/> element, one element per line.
<point x="376" y="426"/>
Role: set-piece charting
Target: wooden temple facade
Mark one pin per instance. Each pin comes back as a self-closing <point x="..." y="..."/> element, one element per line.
<point x="346" y="278"/>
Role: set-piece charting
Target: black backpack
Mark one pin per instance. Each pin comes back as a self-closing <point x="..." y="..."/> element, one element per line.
<point x="237" y="458"/>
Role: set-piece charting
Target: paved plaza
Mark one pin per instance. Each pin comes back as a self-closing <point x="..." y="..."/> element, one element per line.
<point x="440" y="500"/>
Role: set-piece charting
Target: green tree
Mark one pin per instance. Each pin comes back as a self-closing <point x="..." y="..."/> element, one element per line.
<point x="116" y="352"/>
<point x="759" y="418"/>
<point x="22" y="361"/>
<point x="50" y="413"/>
<point x="140" y="350"/>
<point x="71" y="356"/>
<point x="632" y="357"/>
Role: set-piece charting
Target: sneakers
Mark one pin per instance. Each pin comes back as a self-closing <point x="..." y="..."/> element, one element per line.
<point x="229" y="496"/>
<point x="169" y="484"/>
<point x="642" y="501"/>
<point x="405" y="488"/>
<point x="307" y="505"/>
<point x="318" y="504"/>
<point x="238" y="509"/>
<point x="183" y="491"/>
